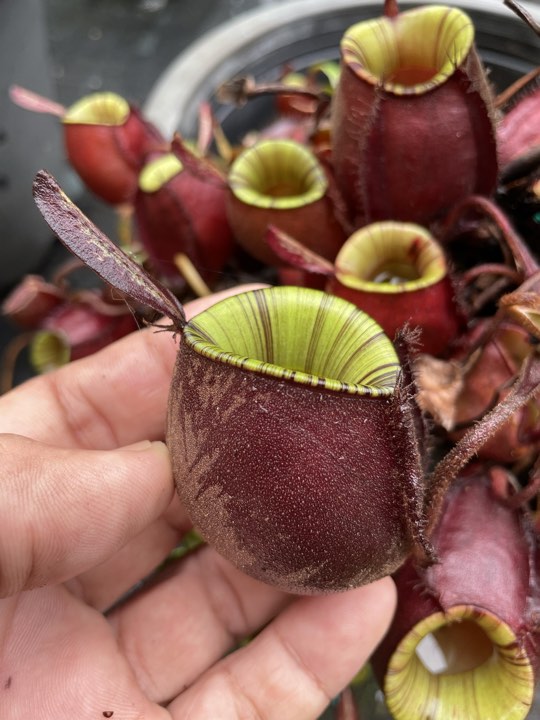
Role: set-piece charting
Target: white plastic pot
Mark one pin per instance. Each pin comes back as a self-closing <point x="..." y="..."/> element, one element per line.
<point x="302" y="32"/>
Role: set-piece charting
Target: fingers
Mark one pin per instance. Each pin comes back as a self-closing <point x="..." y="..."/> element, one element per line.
<point x="297" y="664"/>
<point x="110" y="399"/>
<point x="102" y="586"/>
<point x="65" y="511"/>
<point x="175" y="630"/>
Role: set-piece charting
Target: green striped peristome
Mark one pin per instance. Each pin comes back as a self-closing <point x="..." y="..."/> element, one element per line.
<point x="390" y="257"/>
<point x="279" y="174"/>
<point x="397" y="273"/>
<point x="301" y="335"/>
<point x="485" y="674"/>
<point x="412" y="53"/>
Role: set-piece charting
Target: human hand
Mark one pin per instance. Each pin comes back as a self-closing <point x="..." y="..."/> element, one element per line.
<point x="84" y="517"/>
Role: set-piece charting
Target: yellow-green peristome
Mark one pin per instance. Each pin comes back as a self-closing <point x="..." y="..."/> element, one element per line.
<point x="488" y="675"/>
<point x="49" y="350"/>
<point x="397" y="272"/>
<point x="282" y="183"/>
<point x="277" y="173"/>
<point x="159" y="171"/>
<point x="345" y="350"/>
<point x="294" y="440"/>
<point x="463" y="642"/>
<point x="412" y="53"/>
<point x="105" y="108"/>
<point x="390" y="257"/>
<point x="412" y="101"/>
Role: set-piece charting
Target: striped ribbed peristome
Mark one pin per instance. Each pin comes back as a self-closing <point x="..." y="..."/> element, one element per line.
<point x="397" y="273"/>
<point x="404" y="249"/>
<point x="500" y="687"/>
<point x="297" y="460"/>
<point x="300" y="335"/>
<point x="277" y="174"/>
<point x="412" y="53"/>
<point x="483" y="596"/>
<point x="281" y="183"/>
<point x="412" y="117"/>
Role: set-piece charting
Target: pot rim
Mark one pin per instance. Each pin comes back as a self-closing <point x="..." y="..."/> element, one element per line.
<point x="177" y="89"/>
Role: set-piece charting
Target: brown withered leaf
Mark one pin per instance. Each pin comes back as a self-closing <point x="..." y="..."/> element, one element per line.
<point x="439" y="384"/>
<point x="236" y="91"/>
<point x="524" y="307"/>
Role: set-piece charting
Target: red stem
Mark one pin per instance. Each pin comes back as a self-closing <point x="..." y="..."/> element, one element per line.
<point x="491" y="269"/>
<point x="200" y="167"/>
<point x="346" y="708"/>
<point x="528" y="493"/>
<point x="525" y="387"/>
<point x="206" y="128"/>
<point x="516" y="87"/>
<point x="243" y="89"/>
<point x="489" y="295"/>
<point x="9" y="360"/>
<point x="523" y="14"/>
<point x="60" y="277"/>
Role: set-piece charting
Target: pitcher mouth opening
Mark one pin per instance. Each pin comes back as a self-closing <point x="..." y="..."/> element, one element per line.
<point x="301" y="335"/>
<point x="412" y="53"/>
<point x="277" y="174"/>
<point x="390" y="257"/>
<point x="465" y="663"/>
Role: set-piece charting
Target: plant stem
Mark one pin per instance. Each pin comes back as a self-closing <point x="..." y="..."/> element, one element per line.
<point x="523" y="14"/>
<point x="524" y="388"/>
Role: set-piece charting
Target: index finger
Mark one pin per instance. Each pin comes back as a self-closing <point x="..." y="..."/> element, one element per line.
<point x="113" y="398"/>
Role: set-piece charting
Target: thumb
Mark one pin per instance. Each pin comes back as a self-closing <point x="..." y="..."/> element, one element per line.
<point x="65" y="511"/>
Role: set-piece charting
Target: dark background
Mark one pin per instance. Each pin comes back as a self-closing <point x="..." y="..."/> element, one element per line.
<point x="123" y="45"/>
